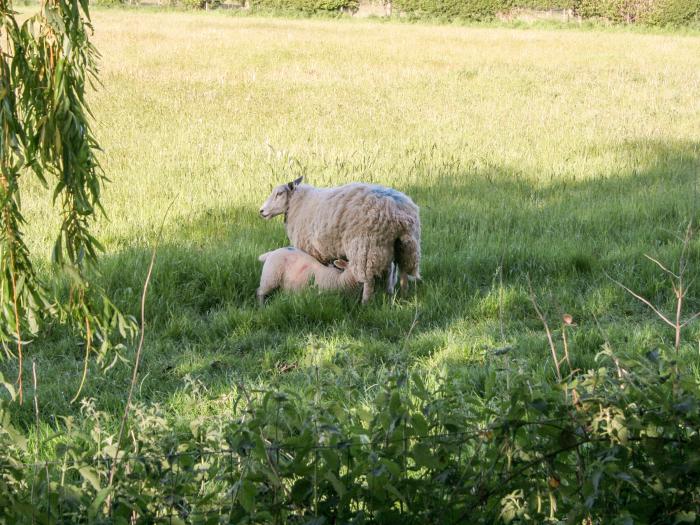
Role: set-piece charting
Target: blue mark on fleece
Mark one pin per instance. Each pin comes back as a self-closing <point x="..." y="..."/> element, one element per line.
<point x="396" y="196"/>
<point x="291" y="248"/>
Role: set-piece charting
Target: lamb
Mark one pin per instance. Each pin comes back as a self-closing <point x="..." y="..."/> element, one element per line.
<point x="292" y="269"/>
<point x="372" y="226"/>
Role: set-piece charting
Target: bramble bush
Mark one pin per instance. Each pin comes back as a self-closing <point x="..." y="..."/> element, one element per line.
<point x="618" y="444"/>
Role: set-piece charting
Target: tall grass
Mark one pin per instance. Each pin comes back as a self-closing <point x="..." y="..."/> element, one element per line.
<point x="552" y="154"/>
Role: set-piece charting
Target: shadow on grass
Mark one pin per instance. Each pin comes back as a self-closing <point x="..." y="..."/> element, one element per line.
<point x="484" y="231"/>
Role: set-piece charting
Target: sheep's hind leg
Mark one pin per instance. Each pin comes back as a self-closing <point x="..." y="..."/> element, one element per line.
<point x="404" y="283"/>
<point x="367" y="290"/>
<point x="392" y="277"/>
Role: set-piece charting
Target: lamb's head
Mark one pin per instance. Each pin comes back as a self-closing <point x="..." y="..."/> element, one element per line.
<point x="278" y="201"/>
<point x="341" y="264"/>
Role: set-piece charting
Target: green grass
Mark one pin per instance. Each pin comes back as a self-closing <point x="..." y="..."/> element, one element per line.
<point x="554" y="154"/>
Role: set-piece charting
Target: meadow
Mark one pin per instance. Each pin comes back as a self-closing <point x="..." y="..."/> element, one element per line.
<point x="558" y="155"/>
<point x="553" y="155"/>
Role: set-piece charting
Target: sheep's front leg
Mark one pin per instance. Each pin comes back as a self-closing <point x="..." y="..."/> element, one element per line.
<point x="260" y="294"/>
<point x="367" y="290"/>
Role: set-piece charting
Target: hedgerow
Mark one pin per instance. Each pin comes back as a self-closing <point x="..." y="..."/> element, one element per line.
<point x="652" y="12"/>
<point x="450" y="9"/>
<point x="618" y="444"/>
<point x="307" y="6"/>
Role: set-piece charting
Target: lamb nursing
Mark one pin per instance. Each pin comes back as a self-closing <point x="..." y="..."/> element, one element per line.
<point x="371" y="226"/>
<point x="292" y="269"/>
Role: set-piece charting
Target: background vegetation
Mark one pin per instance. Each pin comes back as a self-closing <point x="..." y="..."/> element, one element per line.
<point x="644" y="12"/>
<point x="651" y="12"/>
<point x="552" y="155"/>
<point x="306" y="6"/>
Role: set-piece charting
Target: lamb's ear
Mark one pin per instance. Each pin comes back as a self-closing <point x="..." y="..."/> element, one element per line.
<point x="295" y="183"/>
<point x="340" y="264"/>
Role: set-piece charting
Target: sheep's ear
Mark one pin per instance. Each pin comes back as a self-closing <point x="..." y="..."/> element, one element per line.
<point x="295" y="183"/>
<point x="340" y="264"/>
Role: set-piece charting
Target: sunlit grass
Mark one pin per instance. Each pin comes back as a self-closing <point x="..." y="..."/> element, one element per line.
<point x="553" y="154"/>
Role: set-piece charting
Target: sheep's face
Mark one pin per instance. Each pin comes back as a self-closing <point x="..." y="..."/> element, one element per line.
<point x="278" y="201"/>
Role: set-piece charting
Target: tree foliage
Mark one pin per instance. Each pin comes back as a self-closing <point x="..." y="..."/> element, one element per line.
<point x="46" y="63"/>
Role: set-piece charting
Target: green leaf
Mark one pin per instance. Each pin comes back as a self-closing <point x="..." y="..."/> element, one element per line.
<point x="337" y="485"/>
<point x="419" y="424"/>
<point x="301" y="490"/>
<point x="90" y="475"/>
<point x="99" y="499"/>
<point x="686" y="517"/>
<point x="423" y="456"/>
<point x="246" y="495"/>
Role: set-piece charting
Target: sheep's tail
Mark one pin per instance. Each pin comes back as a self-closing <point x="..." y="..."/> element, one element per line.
<point x="407" y="254"/>
<point x="264" y="256"/>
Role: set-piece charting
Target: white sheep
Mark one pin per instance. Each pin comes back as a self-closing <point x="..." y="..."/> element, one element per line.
<point x="292" y="269"/>
<point x="370" y="225"/>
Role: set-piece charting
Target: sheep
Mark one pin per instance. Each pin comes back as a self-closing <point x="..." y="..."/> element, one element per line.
<point x="372" y="226"/>
<point x="292" y="269"/>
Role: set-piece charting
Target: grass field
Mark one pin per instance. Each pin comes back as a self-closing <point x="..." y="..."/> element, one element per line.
<point x="558" y="155"/>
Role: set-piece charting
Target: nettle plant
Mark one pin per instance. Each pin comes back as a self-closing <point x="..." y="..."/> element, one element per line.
<point x="46" y="62"/>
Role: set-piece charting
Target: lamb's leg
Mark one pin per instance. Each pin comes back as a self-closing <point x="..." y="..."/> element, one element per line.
<point x="367" y="290"/>
<point x="267" y="286"/>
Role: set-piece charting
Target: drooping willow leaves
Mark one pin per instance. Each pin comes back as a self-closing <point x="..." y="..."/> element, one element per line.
<point x="47" y="61"/>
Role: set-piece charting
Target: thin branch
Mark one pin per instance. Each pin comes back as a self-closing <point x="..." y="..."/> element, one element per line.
<point x="88" y="346"/>
<point x="552" y="347"/>
<point x="268" y="449"/>
<point x="661" y="266"/>
<point x="500" y="300"/>
<point x="137" y="358"/>
<point x="15" y="306"/>
<point x="690" y="320"/>
<point x="38" y="427"/>
<point x="607" y="345"/>
<point x="36" y="404"/>
<point x="566" y="347"/>
<point x="410" y="330"/>
<point x="642" y="299"/>
<point x="683" y="262"/>
<point x="680" y="294"/>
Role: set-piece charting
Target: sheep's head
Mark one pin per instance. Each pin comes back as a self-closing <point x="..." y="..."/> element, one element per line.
<point x="278" y="201"/>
